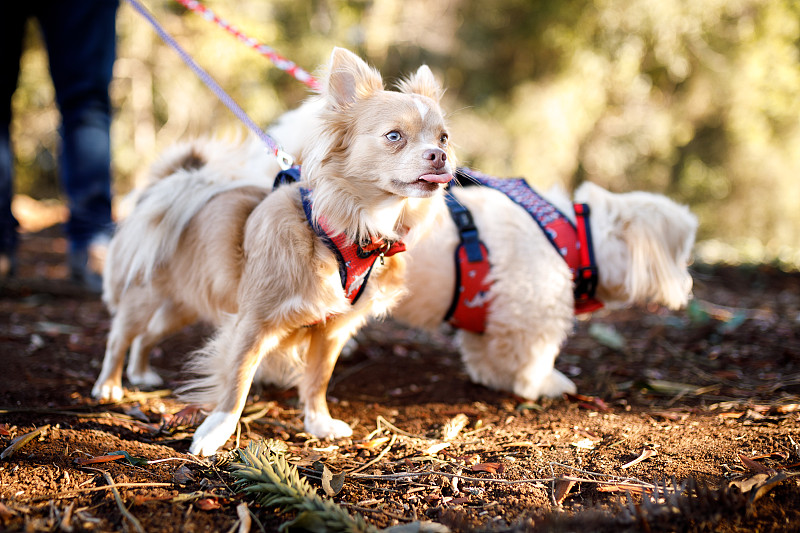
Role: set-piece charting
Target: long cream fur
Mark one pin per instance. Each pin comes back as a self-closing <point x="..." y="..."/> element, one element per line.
<point x="204" y="243"/>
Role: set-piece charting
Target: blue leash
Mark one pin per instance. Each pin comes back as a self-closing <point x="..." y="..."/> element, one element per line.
<point x="284" y="160"/>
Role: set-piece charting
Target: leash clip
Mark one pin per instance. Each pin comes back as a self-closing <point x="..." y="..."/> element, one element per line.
<point x="285" y="161"/>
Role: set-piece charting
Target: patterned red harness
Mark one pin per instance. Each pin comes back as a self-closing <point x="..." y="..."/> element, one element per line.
<point x="573" y="242"/>
<point x="355" y="259"/>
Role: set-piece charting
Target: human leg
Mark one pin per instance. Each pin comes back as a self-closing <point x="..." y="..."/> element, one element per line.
<point x="81" y="41"/>
<point x="12" y="29"/>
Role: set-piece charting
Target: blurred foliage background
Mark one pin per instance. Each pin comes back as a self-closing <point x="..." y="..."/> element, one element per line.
<point x="697" y="99"/>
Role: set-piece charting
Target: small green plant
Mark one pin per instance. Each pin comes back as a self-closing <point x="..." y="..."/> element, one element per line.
<point x="262" y="470"/>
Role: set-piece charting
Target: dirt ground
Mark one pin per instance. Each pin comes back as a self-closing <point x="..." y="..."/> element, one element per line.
<point x="707" y="400"/>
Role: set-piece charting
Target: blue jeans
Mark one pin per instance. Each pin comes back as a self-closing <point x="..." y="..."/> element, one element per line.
<point x="80" y="36"/>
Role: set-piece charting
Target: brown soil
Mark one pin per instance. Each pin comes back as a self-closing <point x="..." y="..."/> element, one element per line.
<point x="713" y="392"/>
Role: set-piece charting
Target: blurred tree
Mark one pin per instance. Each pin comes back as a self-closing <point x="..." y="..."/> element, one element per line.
<point x="697" y="99"/>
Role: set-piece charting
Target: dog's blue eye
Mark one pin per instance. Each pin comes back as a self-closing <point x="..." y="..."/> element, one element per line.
<point x="443" y="139"/>
<point x="393" y="136"/>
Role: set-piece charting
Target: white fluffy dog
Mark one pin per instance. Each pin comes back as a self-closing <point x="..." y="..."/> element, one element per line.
<point x="642" y="243"/>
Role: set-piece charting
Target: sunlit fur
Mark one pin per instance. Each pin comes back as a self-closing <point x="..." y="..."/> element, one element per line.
<point x="205" y="244"/>
<point x="642" y="244"/>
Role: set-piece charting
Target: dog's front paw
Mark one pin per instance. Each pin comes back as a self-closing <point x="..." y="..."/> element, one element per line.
<point x="327" y="427"/>
<point x="556" y="384"/>
<point x="148" y="379"/>
<point x="107" y="391"/>
<point x="213" y="433"/>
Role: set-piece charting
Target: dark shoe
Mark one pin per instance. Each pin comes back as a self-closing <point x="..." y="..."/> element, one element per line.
<point x="86" y="264"/>
<point x="8" y="266"/>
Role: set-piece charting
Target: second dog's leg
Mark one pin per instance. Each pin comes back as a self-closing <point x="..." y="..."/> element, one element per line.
<point x="168" y="319"/>
<point x="323" y="351"/>
<point x="108" y="386"/>
<point x="537" y="378"/>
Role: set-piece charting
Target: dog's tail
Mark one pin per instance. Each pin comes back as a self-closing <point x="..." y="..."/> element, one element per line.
<point x="643" y="244"/>
<point x="185" y="179"/>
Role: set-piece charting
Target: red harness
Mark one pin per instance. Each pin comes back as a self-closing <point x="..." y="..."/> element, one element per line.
<point x="355" y="260"/>
<point x="572" y="241"/>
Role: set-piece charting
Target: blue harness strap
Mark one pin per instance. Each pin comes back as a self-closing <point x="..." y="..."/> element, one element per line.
<point x="287" y="177"/>
<point x="466" y="227"/>
<point x="470" y="303"/>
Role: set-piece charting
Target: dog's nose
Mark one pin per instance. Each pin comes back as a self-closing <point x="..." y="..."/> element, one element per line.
<point x="436" y="156"/>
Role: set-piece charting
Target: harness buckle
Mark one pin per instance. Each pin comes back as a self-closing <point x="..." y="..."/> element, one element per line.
<point x="285" y="161"/>
<point x="586" y="282"/>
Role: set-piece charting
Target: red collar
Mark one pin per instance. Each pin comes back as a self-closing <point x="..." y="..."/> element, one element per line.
<point x="355" y="259"/>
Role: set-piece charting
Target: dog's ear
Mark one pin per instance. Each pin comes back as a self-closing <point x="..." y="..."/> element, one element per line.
<point x="423" y="83"/>
<point x="350" y="78"/>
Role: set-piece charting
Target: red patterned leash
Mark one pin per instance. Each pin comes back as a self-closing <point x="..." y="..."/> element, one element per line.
<point x="266" y="51"/>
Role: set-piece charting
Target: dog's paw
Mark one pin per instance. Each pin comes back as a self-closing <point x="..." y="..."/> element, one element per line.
<point x="148" y="379"/>
<point x="213" y="433"/>
<point x="553" y="385"/>
<point x="107" y="392"/>
<point x="556" y="384"/>
<point x="327" y="427"/>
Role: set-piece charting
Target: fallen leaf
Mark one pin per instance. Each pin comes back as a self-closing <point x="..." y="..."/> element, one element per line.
<point x="99" y="459"/>
<point x="4" y="430"/>
<point x="623" y="487"/>
<point x="454" y="426"/>
<point x="332" y="483"/>
<point x="433" y="449"/>
<point x="182" y="475"/>
<point x="779" y="455"/>
<point x="113" y="456"/>
<point x="735" y="320"/>
<point x="492" y="468"/>
<point x="670" y="387"/>
<point x="518" y="444"/>
<point x="186" y="417"/>
<point x="561" y="489"/>
<point x="607" y="336"/>
<point x="135" y="411"/>
<point x="696" y="313"/>
<point x="676" y="416"/>
<point x="21" y="441"/>
<point x="759" y="484"/>
<point x="53" y="328"/>
<point x="141" y="499"/>
<point x="208" y="504"/>
<point x="528" y="406"/>
<point x="755" y="466"/>
<point x="589" y="402"/>
<point x="731" y="414"/>
<point x="372" y="444"/>
<point x="647" y="453"/>
<point x="584" y="444"/>
<point x="788" y="408"/>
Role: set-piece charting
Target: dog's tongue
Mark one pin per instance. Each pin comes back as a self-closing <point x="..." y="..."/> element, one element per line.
<point x="437" y="178"/>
